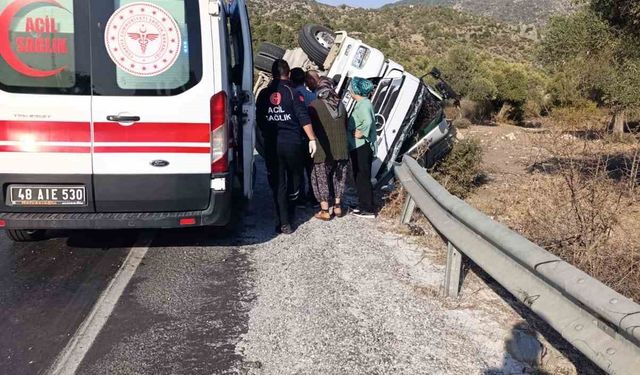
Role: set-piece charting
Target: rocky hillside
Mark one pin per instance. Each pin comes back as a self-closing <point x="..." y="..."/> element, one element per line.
<point x="416" y="38"/>
<point x="515" y="11"/>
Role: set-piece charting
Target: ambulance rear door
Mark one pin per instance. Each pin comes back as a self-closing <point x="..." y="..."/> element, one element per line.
<point x="45" y="107"/>
<point x="242" y="52"/>
<point x="153" y="106"/>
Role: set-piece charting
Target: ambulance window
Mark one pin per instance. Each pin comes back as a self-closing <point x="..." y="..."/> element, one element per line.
<point x="39" y="47"/>
<point x="150" y="48"/>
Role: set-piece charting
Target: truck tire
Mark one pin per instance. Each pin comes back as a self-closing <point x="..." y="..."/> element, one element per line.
<point x="271" y="50"/>
<point x="25" y="235"/>
<point x="264" y="63"/>
<point x="316" y="42"/>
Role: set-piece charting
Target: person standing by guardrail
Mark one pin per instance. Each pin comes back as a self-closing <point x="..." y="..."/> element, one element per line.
<point x="362" y="144"/>
<point x="331" y="163"/>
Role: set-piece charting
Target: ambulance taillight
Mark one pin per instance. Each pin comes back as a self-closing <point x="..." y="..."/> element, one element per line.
<point x="219" y="135"/>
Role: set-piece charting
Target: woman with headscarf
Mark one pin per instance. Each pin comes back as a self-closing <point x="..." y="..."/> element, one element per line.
<point x="362" y="144"/>
<point x="331" y="161"/>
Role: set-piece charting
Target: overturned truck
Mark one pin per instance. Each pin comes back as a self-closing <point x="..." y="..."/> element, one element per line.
<point x="409" y="112"/>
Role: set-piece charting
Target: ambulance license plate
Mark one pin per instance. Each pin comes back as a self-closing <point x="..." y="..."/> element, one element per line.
<point x="47" y="196"/>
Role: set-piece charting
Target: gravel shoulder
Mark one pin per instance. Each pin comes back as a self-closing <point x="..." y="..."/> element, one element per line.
<point x="350" y="296"/>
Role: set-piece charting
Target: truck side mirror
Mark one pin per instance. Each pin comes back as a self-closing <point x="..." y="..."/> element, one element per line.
<point x="435" y="73"/>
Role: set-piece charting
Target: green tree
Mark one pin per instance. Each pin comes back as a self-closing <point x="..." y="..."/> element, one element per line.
<point x="460" y="67"/>
<point x="620" y="13"/>
<point x="597" y="56"/>
<point x="482" y="89"/>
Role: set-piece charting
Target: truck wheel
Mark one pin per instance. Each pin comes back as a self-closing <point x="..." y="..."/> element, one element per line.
<point x="25" y="235"/>
<point x="316" y="41"/>
<point x="271" y="50"/>
<point x="263" y="63"/>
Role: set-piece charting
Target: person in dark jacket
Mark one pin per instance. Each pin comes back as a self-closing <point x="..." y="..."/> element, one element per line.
<point x="299" y="80"/>
<point x="331" y="161"/>
<point x="281" y="114"/>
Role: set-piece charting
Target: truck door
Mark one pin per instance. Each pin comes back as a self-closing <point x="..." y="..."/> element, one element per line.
<point x="152" y="106"/>
<point x="45" y="107"/>
<point x="242" y="52"/>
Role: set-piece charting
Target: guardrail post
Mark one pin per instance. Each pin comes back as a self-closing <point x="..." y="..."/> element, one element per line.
<point x="408" y="210"/>
<point x="453" y="273"/>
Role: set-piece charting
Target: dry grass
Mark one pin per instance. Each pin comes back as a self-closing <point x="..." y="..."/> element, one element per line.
<point x="583" y="207"/>
<point x="579" y="201"/>
<point x="393" y="203"/>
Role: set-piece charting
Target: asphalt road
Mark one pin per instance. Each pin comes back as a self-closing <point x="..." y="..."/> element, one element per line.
<point x="336" y="298"/>
<point x="47" y="289"/>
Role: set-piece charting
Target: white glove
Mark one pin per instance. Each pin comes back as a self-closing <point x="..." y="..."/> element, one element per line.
<point x="313" y="148"/>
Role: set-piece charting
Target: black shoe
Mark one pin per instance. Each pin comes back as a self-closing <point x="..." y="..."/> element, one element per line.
<point x="364" y="214"/>
<point x="286" y="229"/>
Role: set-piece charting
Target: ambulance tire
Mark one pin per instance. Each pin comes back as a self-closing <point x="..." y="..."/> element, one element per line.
<point x="310" y="41"/>
<point x="271" y="50"/>
<point x="25" y="235"/>
<point x="264" y="63"/>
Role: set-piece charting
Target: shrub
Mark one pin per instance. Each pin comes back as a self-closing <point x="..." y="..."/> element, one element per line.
<point x="476" y="111"/>
<point x="462" y="123"/>
<point x="460" y="171"/>
<point x="482" y="89"/>
<point x="582" y="116"/>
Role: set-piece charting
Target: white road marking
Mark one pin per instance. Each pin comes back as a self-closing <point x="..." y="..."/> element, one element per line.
<point x="71" y="357"/>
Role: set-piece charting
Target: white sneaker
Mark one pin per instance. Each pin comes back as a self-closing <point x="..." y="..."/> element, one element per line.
<point x="365" y="214"/>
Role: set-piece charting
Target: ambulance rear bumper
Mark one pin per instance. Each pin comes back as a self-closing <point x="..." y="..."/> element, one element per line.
<point x="218" y="214"/>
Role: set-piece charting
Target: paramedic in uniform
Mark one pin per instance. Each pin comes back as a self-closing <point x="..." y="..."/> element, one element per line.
<point x="281" y="113"/>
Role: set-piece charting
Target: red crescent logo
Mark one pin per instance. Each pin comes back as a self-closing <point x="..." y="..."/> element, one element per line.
<point x="6" y="17"/>
<point x="276" y="98"/>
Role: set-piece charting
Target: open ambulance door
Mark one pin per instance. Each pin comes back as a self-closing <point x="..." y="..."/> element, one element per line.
<point x="243" y="78"/>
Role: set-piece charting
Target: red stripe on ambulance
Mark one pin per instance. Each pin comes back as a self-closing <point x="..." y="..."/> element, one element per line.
<point x="152" y="132"/>
<point x="47" y="149"/>
<point x="151" y="149"/>
<point x="33" y="136"/>
<point x="44" y="131"/>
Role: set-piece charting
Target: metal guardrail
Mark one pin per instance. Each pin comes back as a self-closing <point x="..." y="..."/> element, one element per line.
<point x="599" y="322"/>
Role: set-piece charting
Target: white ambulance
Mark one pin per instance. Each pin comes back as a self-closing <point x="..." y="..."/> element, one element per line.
<point x="123" y="113"/>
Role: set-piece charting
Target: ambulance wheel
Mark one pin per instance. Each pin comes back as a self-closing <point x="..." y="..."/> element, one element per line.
<point x="271" y="50"/>
<point x="316" y="41"/>
<point x="264" y="63"/>
<point x="25" y="235"/>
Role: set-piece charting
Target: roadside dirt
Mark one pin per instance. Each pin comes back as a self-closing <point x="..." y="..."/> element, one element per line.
<point x="508" y="152"/>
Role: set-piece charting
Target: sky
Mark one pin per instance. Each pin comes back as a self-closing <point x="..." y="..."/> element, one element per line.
<point x="359" y="3"/>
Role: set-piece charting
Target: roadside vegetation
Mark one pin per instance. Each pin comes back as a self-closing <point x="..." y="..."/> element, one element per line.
<point x="460" y="172"/>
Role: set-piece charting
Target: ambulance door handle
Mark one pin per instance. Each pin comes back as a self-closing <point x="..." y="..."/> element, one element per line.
<point x="123" y="119"/>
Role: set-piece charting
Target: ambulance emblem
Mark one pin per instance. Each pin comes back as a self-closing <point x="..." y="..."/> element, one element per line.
<point x="276" y="98"/>
<point x="143" y="39"/>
